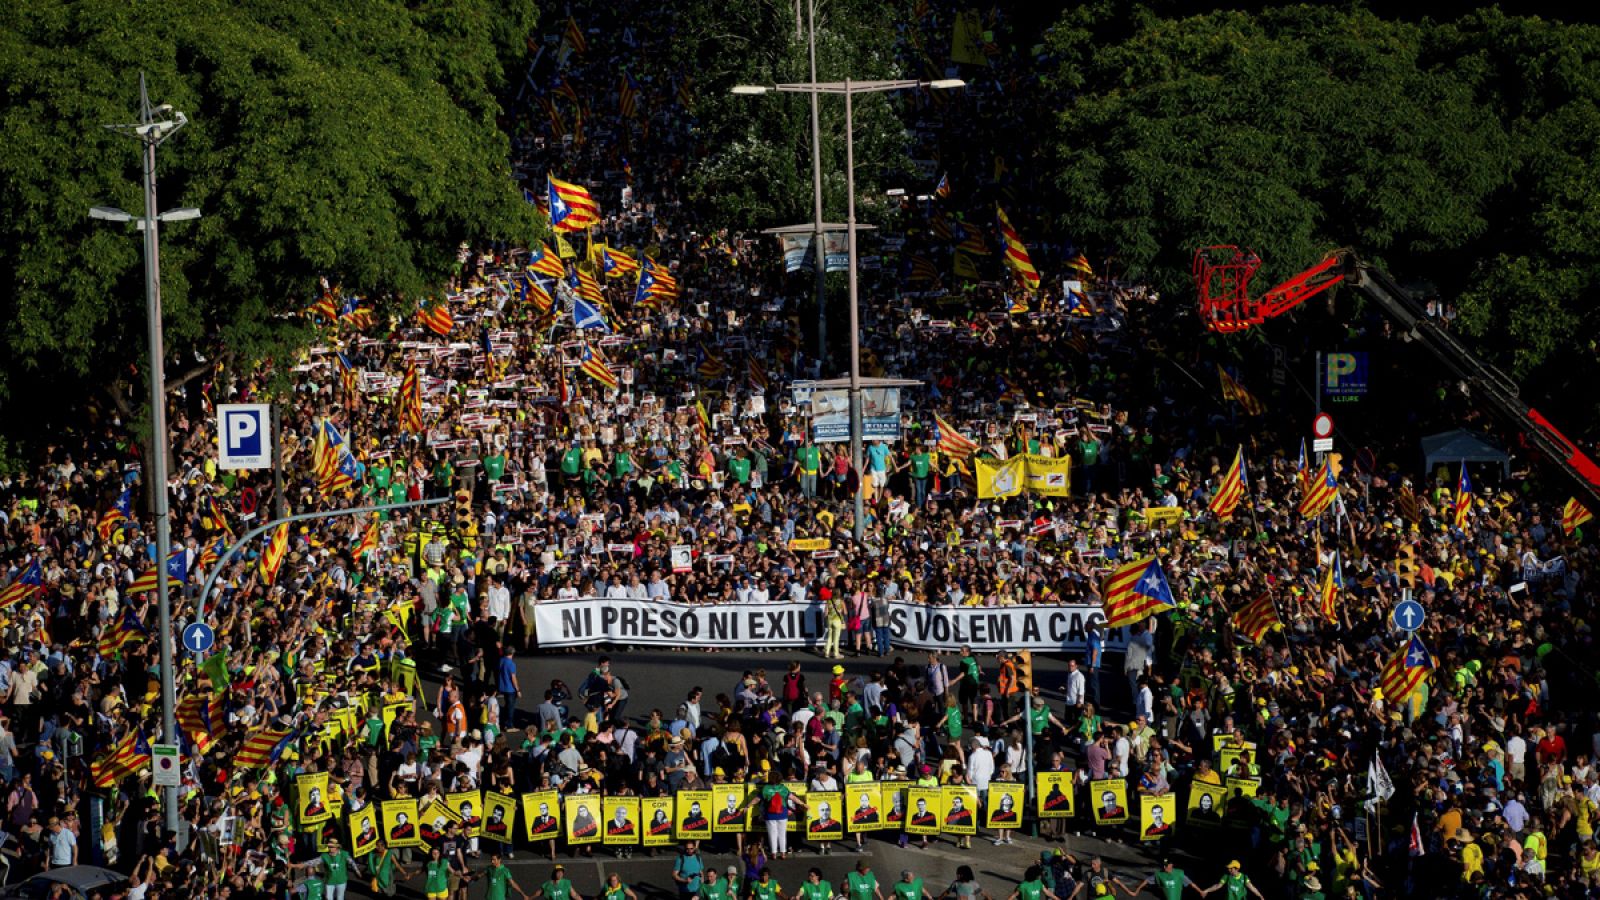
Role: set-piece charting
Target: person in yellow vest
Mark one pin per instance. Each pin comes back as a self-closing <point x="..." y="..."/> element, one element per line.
<point x="1471" y="855"/>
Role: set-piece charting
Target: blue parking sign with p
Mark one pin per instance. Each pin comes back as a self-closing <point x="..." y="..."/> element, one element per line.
<point x="1344" y="374"/>
<point x="244" y="435"/>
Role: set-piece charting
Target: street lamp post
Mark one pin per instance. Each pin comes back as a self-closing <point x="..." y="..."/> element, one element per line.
<point x="816" y="197"/>
<point x="849" y="89"/>
<point x="151" y="133"/>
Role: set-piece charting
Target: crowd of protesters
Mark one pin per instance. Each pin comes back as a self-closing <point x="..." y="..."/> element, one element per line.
<point x="1492" y="760"/>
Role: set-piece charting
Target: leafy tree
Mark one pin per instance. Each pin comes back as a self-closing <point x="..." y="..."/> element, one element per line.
<point x="1293" y="131"/>
<point x="757" y="170"/>
<point x="353" y="139"/>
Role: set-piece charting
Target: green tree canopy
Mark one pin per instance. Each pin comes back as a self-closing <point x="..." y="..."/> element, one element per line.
<point x="1459" y="153"/>
<point x="352" y="139"/>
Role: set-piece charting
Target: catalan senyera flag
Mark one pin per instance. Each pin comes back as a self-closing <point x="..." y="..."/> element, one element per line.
<point x="1405" y="671"/>
<point x="544" y="261"/>
<point x="1463" y="500"/>
<point x="125" y="630"/>
<point x="1231" y="489"/>
<point x="1080" y="264"/>
<point x="573" y="37"/>
<point x="1016" y="252"/>
<point x="572" y="207"/>
<point x="1256" y="618"/>
<point x="124" y="758"/>
<point x="702" y="421"/>
<point x="263" y="748"/>
<point x="277" y="550"/>
<point x="323" y="307"/>
<point x="437" y="319"/>
<point x="1332" y="587"/>
<point x="1018" y="305"/>
<point x="594" y="365"/>
<point x="617" y="264"/>
<point x="410" y="401"/>
<point x="1136" y="591"/>
<point x="757" y="375"/>
<point x="1232" y="390"/>
<point x="1320" y="490"/>
<point x="177" y="573"/>
<point x="711" y="364"/>
<point x="951" y="440"/>
<point x="1573" y="515"/>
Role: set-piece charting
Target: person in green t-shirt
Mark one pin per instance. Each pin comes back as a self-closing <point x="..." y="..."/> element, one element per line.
<point x="616" y="890"/>
<point x="436" y="872"/>
<point x="861" y="884"/>
<point x="497" y="877"/>
<point x="1032" y="886"/>
<point x="385" y="868"/>
<point x="1169" y="880"/>
<point x="920" y="464"/>
<point x="494" y="466"/>
<point x="444" y="472"/>
<point x="909" y="887"/>
<point x="739" y="468"/>
<point x="712" y="887"/>
<point x="572" y="461"/>
<point x="1236" y="882"/>
<point x="558" y="887"/>
<point x="814" y="888"/>
<point x="334" y="867"/>
<point x="765" y="888"/>
<point x="809" y="461"/>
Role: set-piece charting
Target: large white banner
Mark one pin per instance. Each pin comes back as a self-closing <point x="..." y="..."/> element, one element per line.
<point x="595" y="620"/>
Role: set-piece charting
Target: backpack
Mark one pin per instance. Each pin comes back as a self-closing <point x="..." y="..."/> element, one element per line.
<point x="793" y="685"/>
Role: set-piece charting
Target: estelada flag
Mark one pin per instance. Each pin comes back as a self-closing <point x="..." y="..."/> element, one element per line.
<point x="26" y="585"/>
<point x="572" y="207"/>
<point x="1320" y="492"/>
<point x="126" y="757"/>
<point x="1405" y="671"/>
<point x="544" y="261"/>
<point x="594" y="366"/>
<point x="263" y="748"/>
<point x="1233" y="390"/>
<point x="1135" y="592"/>
<point x="1573" y="515"/>
<point x="1230" y="490"/>
<point x="1332" y="586"/>
<point x="1256" y="618"/>
<point x="1463" y="504"/>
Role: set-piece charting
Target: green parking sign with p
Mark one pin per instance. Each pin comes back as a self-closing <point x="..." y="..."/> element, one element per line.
<point x="1344" y="374"/>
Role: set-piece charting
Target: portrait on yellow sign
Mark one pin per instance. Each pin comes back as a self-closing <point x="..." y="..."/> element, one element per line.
<point x="499" y="817"/>
<point x="311" y="789"/>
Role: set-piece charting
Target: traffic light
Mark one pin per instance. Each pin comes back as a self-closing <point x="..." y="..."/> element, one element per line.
<point x="1025" y="669"/>
<point x="1405" y="566"/>
<point x="463" y="508"/>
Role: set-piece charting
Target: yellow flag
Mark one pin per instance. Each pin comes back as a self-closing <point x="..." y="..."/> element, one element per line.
<point x="1048" y="476"/>
<point x="999" y="479"/>
<point x="564" y="248"/>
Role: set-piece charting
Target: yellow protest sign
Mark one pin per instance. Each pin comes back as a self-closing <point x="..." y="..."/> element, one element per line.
<point x="499" y="816"/>
<point x="1157" y="816"/>
<point x="1163" y="515"/>
<point x="583" y="818"/>
<point x="400" y="822"/>
<point x="693" y="822"/>
<point x="923" y="816"/>
<point x="1005" y="805"/>
<point x="1110" y="796"/>
<point x="312" y="790"/>
<point x="657" y="814"/>
<point x="622" y="820"/>
<point x="865" y="805"/>
<point x="999" y="479"/>
<point x="821" y="543"/>
<point x="959" y="809"/>
<point x="822" y="816"/>
<point x="364" y="830"/>
<point x="540" y="814"/>
<point x="1056" y="794"/>
<point x="1048" y="476"/>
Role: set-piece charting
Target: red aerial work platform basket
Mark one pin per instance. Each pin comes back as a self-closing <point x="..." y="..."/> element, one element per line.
<point x="1222" y="276"/>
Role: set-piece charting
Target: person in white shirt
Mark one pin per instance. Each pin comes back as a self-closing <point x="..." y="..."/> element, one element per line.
<point x="980" y="764"/>
<point x="1076" y="684"/>
<point x="616" y="590"/>
<point x="759" y="593"/>
<point x="498" y="600"/>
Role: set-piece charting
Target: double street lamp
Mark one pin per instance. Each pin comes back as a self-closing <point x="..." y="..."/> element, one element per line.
<point x="849" y="89"/>
<point x="152" y="129"/>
